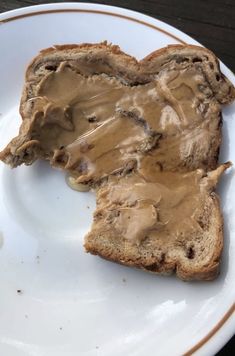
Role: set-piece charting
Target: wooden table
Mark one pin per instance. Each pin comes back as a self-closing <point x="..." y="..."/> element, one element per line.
<point x="211" y="22"/>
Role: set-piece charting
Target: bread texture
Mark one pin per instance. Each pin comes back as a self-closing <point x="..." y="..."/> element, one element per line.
<point x="192" y="253"/>
<point x="104" y="117"/>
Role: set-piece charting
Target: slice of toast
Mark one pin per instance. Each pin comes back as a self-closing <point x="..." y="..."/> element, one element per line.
<point x="162" y="222"/>
<point x="76" y="98"/>
<point x="115" y="124"/>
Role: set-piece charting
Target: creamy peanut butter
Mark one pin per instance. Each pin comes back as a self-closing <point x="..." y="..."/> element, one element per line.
<point x="132" y="137"/>
<point x="162" y="205"/>
<point x="95" y="126"/>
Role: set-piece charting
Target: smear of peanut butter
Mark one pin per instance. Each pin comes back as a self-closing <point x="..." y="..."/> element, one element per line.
<point x="96" y="126"/>
<point x="154" y="204"/>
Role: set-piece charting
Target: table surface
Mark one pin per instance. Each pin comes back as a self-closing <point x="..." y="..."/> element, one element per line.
<point x="211" y="22"/>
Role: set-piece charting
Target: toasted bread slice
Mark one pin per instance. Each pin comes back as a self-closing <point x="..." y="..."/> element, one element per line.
<point x="77" y="97"/>
<point x="144" y="134"/>
<point x="163" y="222"/>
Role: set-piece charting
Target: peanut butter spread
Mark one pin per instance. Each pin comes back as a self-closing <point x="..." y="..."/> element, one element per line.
<point x="97" y="125"/>
<point x="162" y="205"/>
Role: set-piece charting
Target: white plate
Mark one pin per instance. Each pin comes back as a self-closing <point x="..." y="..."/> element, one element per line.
<point x="72" y="303"/>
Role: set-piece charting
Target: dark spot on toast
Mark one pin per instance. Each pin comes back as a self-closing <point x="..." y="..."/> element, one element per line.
<point x="190" y="253"/>
<point x="51" y="67"/>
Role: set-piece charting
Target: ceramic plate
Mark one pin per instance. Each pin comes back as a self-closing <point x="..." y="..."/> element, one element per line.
<point x="55" y="299"/>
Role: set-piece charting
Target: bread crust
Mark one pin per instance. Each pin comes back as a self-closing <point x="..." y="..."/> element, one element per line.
<point x="130" y="62"/>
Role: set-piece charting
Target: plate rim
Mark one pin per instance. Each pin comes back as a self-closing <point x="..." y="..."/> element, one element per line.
<point x="211" y="339"/>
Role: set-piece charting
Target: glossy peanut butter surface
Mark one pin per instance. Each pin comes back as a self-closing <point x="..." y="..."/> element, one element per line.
<point x="97" y="126"/>
<point x="102" y="126"/>
<point x="152" y="204"/>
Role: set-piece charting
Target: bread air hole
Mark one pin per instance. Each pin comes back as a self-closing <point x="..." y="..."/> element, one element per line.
<point x="190" y="253"/>
<point x="211" y="65"/>
<point x="196" y="59"/>
<point x="51" y="67"/>
<point x="62" y="159"/>
<point x="180" y="59"/>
